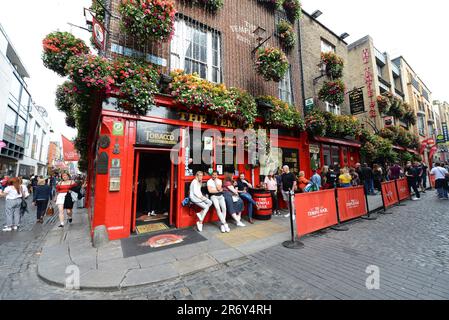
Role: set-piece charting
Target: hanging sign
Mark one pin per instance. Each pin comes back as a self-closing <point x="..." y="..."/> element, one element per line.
<point x="155" y="134"/>
<point x="356" y="101"/>
<point x="99" y="34"/>
<point x="445" y="131"/>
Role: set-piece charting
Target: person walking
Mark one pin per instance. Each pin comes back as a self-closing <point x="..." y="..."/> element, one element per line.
<point x="288" y="188"/>
<point x="345" y="178"/>
<point x="243" y="186"/>
<point x="215" y="189"/>
<point x="15" y="192"/>
<point x="64" y="198"/>
<point x="199" y="199"/>
<point x="41" y="197"/>
<point x="412" y="174"/>
<point x="367" y="179"/>
<point x="272" y="186"/>
<point x="423" y="176"/>
<point x="441" y="180"/>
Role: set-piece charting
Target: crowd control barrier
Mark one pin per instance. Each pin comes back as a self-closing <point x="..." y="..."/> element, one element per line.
<point x="403" y="189"/>
<point x="351" y="203"/>
<point x="389" y="194"/>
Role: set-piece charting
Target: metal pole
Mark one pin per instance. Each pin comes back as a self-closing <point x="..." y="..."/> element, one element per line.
<point x="383" y="201"/>
<point x="368" y="217"/>
<point x="338" y="227"/>
<point x="293" y="243"/>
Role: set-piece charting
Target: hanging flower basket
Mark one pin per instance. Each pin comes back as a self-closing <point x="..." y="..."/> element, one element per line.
<point x="333" y="92"/>
<point x="148" y="20"/>
<point x="383" y="103"/>
<point x="271" y="64"/>
<point x="316" y="124"/>
<point x="334" y="65"/>
<point x="211" y="5"/>
<point x="396" y="108"/>
<point x="272" y="4"/>
<point x="282" y="114"/>
<point x="292" y="9"/>
<point x="286" y="34"/>
<point x="409" y="116"/>
<point x="59" y="47"/>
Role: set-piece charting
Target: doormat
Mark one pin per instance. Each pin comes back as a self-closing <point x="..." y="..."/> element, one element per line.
<point x="143" y="244"/>
<point x="146" y="218"/>
<point x="153" y="227"/>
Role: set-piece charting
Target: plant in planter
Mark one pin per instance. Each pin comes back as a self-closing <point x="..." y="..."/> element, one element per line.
<point x="347" y="126"/>
<point x="333" y="92"/>
<point x="409" y="115"/>
<point x="286" y="34"/>
<point x="274" y="4"/>
<point x="396" y="108"/>
<point x="282" y="114"/>
<point x="292" y="9"/>
<point x="148" y="20"/>
<point x="383" y="103"/>
<point x="271" y="64"/>
<point x="59" y="47"/>
<point x="316" y="124"/>
<point x="334" y="65"/>
<point x="246" y="106"/>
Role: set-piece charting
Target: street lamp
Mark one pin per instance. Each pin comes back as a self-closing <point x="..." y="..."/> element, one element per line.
<point x="316" y="14"/>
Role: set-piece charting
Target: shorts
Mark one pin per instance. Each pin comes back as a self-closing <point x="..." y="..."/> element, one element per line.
<point x="61" y="201"/>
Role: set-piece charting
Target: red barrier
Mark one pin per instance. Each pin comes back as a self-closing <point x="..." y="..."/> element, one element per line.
<point x="315" y="211"/>
<point x="389" y="194"/>
<point x="351" y="203"/>
<point x="403" y="189"/>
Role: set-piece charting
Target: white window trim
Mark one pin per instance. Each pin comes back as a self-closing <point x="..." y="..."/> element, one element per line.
<point x="287" y="80"/>
<point x="337" y="108"/>
<point x="180" y="30"/>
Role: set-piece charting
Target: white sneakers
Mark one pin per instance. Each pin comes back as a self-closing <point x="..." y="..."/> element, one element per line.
<point x="151" y="214"/>
<point x="288" y="216"/>
<point x="199" y="225"/>
<point x="7" y="229"/>
<point x="416" y="199"/>
<point x="240" y="224"/>
<point x="225" y="228"/>
<point x="15" y="228"/>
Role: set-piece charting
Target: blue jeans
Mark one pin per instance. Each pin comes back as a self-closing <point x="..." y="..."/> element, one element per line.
<point x="247" y="197"/>
<point x="369" y="186"/>
<point x="441" y="188"/>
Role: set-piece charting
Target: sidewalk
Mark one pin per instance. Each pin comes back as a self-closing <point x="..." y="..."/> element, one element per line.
<point x="106" y="269"/>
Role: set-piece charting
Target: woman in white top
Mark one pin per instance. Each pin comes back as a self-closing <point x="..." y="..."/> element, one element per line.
<point x="197" y="198"/>
<point x="271" y="185"/>
<point x="14" y="193"/>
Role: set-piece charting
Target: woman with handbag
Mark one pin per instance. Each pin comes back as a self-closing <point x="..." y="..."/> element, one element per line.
<point x="41" y="198"/>
<point x="234" y="204"/>
<point x="64" y="199"/>
<point x="15" y="194"/>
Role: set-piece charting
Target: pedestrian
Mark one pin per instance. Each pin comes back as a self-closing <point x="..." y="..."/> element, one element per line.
<point x="272" y="186"/>
<point x="302" y="181"/>
<point x="234" y="202"/>
<point x="65" y="199"/>
<point x="377" y="177"/>
<point x="441" y="180"/>
<point x="412" y="174"/>
<point x="243" y="186"/>
<point x="331" y="178"/>
<point x="345" y="178"/>
<point x="337" y="169"/>
<point x="355" y="179"/>
<point x="423" y="176"/>
<point x="324" y="172"/>
<point x="288" y="189"/>
<point x="366" y="176"/>
<point x="314" y="183"/>
<point x="15" y="193"/>
<point x="395" y="171"/>
<point x="199" y="199"/>
<point x="41" y="197"/>
<point x="215" y="189"/>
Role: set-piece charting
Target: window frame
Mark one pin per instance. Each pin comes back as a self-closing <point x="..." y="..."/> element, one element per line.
<point x="288" y="82"/>
<point x="324" y="43"/>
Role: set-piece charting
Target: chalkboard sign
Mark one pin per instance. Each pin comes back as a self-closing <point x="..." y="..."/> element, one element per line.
<point x="356" y="102"/>
<point x="102" y="163"/>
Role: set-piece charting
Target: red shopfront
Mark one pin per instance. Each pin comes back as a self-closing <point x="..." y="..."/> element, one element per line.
<point x="326" y="151"/>
<point x="131" y="150"/>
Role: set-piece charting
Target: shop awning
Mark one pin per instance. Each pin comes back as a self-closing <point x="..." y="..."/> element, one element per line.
<point x="343" y="142"/>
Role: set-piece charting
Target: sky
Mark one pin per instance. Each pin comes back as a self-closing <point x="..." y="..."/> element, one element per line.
<point x="415" y="30"/>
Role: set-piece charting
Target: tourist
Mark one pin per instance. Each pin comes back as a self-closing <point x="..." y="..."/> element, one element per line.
<point x="423" y="176"/>
<point x="243" y="186"/>
<point x="395" y="171"/>
<point x="366" y="176"/>
<point x="288" y="189"/>
<point x="65" y="198"/>
<point x="15" y="192"/>
<point x="41" y="197"/>
<point x="302" y="182"/>
<point x="441" y="180"/>
<point x="331" y="178"/>
<point x="345" y="179"/>
<point x="272" y="186"/>
<point x="355" y="179"/>
<point x="324" y="172"/>
<point x="234" y="202"/>
<point x="377" y="177"/>
<point x="215" y="189"/>
<point x="199" y="199"/>
<point x="314" y="183"/>
<point x="337" y="169"/>
<point x="412" y="174"/>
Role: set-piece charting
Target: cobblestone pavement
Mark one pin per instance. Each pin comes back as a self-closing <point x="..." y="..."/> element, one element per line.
<point x="410" y="248"/>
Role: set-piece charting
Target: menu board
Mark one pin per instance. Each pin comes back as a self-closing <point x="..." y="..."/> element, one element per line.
<point x="356" y="101"/>
<point x="290" y="158"/>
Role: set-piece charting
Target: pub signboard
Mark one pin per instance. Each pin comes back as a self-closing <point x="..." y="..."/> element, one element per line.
<point x="156" y="134"/>
<point x="356" y="101"/>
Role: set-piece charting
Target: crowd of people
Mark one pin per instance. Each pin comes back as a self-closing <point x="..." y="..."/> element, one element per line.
<point x="57" y="190"/>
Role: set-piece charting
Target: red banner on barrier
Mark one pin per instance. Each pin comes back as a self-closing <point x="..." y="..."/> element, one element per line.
<point x="315" y="211"/>
<point x="351" y="203"/>
<point x="389" y="194"/>
<point x="403" y="189"/>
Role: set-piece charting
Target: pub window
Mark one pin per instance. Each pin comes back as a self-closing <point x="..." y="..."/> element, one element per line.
<point x="270" y="162"/>
<point x="327" y="155"/>
<point x="285" y="87"/>
<point x="327" y="46"/>
<point x="335" y="155"/>
<point x="196" y="49"/>
<point x="332" y="108"/>
<point x="194" y="145"/>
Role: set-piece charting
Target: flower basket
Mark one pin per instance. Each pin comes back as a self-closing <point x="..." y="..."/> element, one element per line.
<point x="316" y="124"/>
<point x="333" y="92"/>
<point x="272" y="4"/>
<point x="282" y="114"/>
<point x="211" y="5"/>
<point x="59" y="47"/>
<point x="383" y="103"/>
<point x="334" y="65"/>
<point x="286" y="34"/>
<point x="292" y="9"/>
<point x="148" y="20"/>
<point x="396" y="108"/>
<point x="271" y="64"/>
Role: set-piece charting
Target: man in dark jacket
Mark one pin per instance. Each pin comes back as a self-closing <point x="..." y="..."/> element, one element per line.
<point x="367" y="176"/>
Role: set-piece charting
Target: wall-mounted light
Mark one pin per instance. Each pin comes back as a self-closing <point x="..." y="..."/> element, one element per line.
<point x="344" y="36"/>
<point x="316" y="14"/>
<point x="260" y="34"/>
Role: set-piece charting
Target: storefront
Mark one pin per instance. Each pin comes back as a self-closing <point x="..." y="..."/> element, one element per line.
<point x="326" y="151"/>
<point x="139" y="158"/>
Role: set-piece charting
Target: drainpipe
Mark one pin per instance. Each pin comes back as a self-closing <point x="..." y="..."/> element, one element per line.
<point x="301" y="66"/>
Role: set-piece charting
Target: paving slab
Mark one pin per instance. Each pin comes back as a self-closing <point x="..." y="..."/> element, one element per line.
<point x="193" y="264"/>
<point x="154" y="274"/>
<point x="226" y="255"/>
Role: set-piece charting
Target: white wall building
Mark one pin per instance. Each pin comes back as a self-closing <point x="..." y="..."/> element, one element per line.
<point x="24" y="130"/>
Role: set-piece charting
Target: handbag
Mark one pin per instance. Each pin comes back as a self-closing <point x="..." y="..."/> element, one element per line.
<point x="50" y="210"/>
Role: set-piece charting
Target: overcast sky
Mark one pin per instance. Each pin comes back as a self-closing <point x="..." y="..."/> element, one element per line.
<point x="414" y="29"/>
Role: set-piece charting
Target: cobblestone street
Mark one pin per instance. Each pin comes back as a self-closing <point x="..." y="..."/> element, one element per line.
<point x="410" y="247"/>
